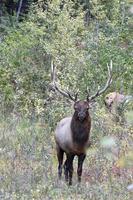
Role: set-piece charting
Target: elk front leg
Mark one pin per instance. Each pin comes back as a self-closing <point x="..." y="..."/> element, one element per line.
<point x="68" y="166"/>
<point x="80" y="164"/>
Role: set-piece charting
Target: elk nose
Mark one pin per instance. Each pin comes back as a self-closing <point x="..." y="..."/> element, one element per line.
<point x="81" y="116"/>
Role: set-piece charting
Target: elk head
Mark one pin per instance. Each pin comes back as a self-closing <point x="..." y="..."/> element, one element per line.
<point x="81" y="110"/>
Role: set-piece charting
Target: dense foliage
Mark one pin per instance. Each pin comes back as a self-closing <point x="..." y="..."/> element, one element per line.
<point x="60" y="33"/>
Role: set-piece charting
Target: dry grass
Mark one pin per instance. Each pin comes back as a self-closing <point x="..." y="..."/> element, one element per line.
<point x="28" y="164"/>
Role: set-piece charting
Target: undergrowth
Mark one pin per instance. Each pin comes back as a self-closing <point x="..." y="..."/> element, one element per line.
<point x="28" y="164"/>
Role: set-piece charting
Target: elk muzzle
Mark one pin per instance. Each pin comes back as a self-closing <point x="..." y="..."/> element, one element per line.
<point x="81" y="116"/>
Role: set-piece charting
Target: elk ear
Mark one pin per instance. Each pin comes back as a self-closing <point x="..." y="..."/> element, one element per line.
<point x="90" y="104"/>
<point x="87" y="104"/>
<point x="75" y="106"/>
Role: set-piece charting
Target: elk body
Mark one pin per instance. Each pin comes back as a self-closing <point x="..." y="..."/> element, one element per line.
<point x="72" y="133"/>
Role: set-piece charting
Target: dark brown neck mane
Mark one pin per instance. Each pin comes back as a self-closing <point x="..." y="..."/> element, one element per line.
<point x="80" y="129"/>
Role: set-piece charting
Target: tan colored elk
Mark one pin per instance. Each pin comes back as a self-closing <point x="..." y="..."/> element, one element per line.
<point x="113" y="99"/>
<point x="72" y="133"/>
<point x="116" y="104"/>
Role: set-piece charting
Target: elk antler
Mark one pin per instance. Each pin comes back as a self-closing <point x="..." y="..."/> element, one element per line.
<point x="55" y="86"/>
<point x="108" y="83"/>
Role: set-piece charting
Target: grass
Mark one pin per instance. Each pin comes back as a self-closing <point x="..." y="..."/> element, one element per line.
<point x="28" y="164"/>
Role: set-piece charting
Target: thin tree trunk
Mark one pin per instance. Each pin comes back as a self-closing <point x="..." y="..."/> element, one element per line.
<point x="19" y="9"/>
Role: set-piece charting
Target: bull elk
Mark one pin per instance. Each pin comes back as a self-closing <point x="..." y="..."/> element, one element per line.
<point x="72" y="133"/>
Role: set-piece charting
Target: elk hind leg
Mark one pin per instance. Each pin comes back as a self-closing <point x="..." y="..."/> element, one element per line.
<point x="66" y="170"/>
<point x="60" y="154"/>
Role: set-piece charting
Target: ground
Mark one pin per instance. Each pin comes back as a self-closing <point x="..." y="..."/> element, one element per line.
<point x="28" y="163"/>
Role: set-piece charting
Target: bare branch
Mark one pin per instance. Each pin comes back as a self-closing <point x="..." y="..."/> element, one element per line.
<point x="19" y="9"/>
<point x="108" y="83"/>
<point x="55" y="86"/>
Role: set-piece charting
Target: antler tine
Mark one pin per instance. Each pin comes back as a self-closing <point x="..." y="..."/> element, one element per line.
<point x="55" y="86"/>
<point x="88" y="93"/>
<point x="108" y="83"/>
